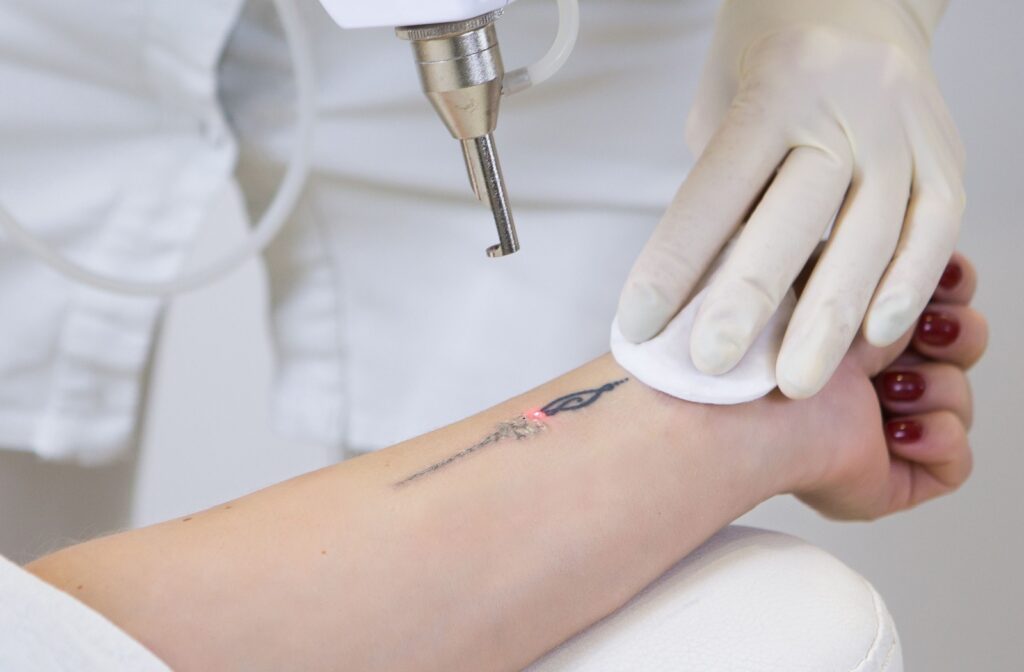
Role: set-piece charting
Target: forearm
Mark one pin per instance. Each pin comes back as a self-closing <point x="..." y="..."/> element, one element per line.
<point x="415" y="558"/>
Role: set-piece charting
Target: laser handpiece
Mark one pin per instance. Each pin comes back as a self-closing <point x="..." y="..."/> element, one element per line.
<point x="462" y="74"/>
<point x="481" y="157"/>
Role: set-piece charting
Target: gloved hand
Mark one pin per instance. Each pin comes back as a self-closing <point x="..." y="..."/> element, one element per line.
<point x="806" y="108"/>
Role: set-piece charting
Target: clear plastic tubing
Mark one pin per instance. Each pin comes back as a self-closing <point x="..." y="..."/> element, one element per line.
<point x="290" y="189"/>
<point x="558" y="54"/>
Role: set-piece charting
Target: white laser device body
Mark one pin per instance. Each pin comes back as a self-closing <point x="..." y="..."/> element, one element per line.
<point x="456" y="48"/>
<point x="390" y="13"/>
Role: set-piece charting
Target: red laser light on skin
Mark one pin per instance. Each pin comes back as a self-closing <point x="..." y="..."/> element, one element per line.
<point x="537" y="414"/>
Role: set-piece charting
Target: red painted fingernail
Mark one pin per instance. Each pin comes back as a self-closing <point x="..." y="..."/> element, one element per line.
<point x="904" y="431"/>
<point x="938" y="329"/>
<point x="952" y="276"/>
<point x="903" y="386"/>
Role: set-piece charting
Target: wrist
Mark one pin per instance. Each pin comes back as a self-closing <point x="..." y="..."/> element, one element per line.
<point x="747" y="447"/>
<point x="742" y="448"/>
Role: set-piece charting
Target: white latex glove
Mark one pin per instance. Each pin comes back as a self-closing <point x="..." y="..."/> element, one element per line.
<point x="832" y="106"/>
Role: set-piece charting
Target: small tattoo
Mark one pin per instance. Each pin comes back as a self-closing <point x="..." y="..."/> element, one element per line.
<point x="522" y="427"/>
<point x="518" y="429"/>
<point x="185" y="520"/>
<point x="578" y="400"/>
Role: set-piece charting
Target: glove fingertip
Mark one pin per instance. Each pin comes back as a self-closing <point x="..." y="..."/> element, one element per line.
<point x="795" y="389"/>
<point x="806" y="364"/>
<point x="713" y="350"/>
<point x="795" y="379"/>
<point x="892" y="315"/>
<point x="881" y="334"/>
<point x="642" y="314"/>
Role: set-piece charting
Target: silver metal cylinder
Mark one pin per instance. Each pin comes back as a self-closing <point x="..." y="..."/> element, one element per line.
<point x="461" y="71"/>
<point x="462" y="74"/>
<point x="485" y="161"/>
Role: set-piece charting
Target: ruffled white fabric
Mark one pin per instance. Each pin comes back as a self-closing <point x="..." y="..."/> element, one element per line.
<point x="387" y="319"/>
<point x="113" y="144"/>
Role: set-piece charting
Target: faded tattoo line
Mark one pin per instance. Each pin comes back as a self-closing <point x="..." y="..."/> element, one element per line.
<point x="518" y="429"/>
<point x="521" y="427"/>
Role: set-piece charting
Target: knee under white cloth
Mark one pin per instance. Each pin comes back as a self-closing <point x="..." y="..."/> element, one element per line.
<point x="664" y="362"/>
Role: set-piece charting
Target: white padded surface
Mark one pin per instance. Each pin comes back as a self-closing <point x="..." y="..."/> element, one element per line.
<point x="746" y="601"/>
<point x="45" y="630"/>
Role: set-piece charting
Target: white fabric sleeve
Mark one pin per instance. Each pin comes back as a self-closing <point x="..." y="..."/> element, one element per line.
<point x="114" y="147"/>
<point x="45" y="630"/>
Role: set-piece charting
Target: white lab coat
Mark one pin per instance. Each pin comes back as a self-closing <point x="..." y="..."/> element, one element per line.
<point x="112" y="143"/>
<point x="387" y="318"/>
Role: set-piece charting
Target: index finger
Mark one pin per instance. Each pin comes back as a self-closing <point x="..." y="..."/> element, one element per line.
<point x="711" y="203"/>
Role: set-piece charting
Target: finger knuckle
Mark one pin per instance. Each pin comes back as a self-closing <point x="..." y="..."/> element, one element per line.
<point x="763" y="291"/>
<point x="948" y="196"/>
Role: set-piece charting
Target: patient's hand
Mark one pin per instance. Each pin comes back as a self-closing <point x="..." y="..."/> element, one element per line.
<point x="890" y="430"/>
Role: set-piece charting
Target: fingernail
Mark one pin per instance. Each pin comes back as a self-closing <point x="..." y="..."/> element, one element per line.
<point x="938" y="329"/>
<point x="904" y="431"/>
<point x="903" y="386"/>
<point x="952" y="276"/>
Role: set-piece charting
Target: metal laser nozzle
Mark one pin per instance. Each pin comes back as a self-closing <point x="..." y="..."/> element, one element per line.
<point x="462" y="72"/>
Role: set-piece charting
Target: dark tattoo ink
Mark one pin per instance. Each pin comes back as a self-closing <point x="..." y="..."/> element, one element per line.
<point x="520" y="428"/>
<point x="578" y="400"/>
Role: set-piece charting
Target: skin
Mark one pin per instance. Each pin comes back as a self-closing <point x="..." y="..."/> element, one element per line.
<point x="494" y="559"/>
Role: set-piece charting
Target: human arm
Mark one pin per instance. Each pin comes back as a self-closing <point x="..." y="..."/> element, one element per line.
<point x="807" y="108"/>
<point x="483" y="564"/>
<point x="489" y="560"/>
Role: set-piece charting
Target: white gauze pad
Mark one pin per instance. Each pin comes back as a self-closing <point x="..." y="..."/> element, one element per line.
<point x="664" y="361"/>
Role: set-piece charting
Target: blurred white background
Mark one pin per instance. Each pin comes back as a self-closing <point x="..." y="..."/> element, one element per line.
<point x="949" y="571"/>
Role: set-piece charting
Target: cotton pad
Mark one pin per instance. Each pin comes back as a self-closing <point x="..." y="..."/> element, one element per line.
<point x="664" y="361"/>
